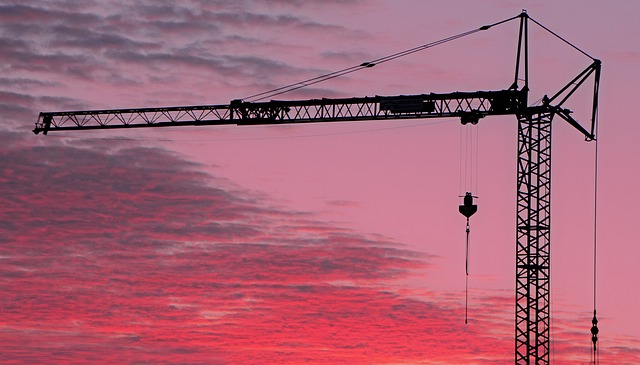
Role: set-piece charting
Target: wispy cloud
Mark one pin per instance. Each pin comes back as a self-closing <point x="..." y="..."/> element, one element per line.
<point x="87" y="42"/>
<point x="133" y="251"/>
<point x="115" y="253"/>
<point x="129" y="254"/>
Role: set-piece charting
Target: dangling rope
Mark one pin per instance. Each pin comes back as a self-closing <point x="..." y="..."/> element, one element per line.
<point x="594" y="322"/>
<point x="466" y="281"/>
<point x="467" y="209"/>
<point x="468" y="172"/>
<point x="469" y="146"/>
<point x="476" y="165"/>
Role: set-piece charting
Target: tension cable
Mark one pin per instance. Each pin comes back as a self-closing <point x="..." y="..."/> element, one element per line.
<point x="368" y="64"/>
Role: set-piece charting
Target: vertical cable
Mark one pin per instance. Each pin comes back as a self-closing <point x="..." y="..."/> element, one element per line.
<point x="466" y="283"/>
<point x="468" y="208"/>
<point x="594" y="321"/>
<point x="595" y="224"/>
<point x="466" y="159"/>
<point x="460" y="191"/>
<point x="476" y="163"/>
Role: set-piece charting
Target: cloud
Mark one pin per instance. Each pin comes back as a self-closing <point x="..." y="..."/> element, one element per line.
<point x="342" y="203"/>
<point x="88" y="44"/>
<point x="72" y="37"/>
<point x="128" y="253"/>
<point x="20" y="110"/>
<point x="115" y="253"/>
<point x="122" y="254"/>
<point x="24" y="83"/>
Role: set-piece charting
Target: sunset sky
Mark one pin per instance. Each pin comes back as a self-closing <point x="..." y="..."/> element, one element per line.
<point x="303" y="244"/>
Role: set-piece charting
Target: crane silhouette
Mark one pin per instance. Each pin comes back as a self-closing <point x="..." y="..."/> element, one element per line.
<point x="532" y="299"/>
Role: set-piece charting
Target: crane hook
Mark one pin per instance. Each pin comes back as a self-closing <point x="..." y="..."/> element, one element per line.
<point x="467" y="208"/>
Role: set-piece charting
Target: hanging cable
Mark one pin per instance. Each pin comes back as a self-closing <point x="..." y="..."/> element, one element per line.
<point x="466" y="281"/>
<point x="468" y="158"/>
<point x="461" y="154"/>
<point x="467" y="209"/>
<point x="594" y="321"/>
<point x="477" y="150"/>
<point x="364" y="65"/>
<point x="466" y="150"/>
<point x="468" y="179"/>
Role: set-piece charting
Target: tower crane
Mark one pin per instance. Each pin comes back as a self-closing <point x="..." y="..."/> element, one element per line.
<point x="533" y="206"/>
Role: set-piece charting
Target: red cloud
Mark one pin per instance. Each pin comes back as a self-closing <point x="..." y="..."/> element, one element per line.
<point x="132" y="256"/>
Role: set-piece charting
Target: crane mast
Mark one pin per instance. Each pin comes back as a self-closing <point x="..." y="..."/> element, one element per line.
<point x="533" y="206"/>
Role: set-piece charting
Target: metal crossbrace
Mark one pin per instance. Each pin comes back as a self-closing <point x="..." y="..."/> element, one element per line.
<point x="480" y="103"/>
<point x="533" y="233"/>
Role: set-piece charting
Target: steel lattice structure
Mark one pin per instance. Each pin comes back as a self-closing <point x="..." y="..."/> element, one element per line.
<point x="532" y="310"/>
<point x="533" y="238"/>
<point x="468" y="105"/>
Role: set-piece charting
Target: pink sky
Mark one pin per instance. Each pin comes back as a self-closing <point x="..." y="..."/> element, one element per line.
<point x="314" y="244"/>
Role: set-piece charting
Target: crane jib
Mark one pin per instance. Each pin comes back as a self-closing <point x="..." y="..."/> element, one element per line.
<point x="532" y="325"/>
<point x="466" y="105"/>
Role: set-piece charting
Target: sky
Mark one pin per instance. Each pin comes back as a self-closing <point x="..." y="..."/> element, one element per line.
<point x="303" y="244"/>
